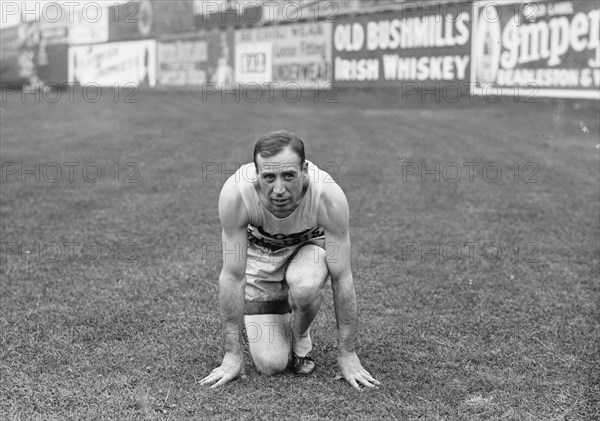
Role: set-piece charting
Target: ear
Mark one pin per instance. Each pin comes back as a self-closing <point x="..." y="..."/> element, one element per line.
<point x="305" y="167"/>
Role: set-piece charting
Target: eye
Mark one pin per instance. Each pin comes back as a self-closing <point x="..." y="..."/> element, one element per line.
<point x="289" y="176"/>
<point x="268" y="177"/>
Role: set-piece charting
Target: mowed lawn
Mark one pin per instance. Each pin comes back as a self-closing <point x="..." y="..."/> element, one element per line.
<point x="478" y="295"/>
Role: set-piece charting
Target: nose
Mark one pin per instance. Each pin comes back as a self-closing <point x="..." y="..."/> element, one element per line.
<point x="279" y="188"/>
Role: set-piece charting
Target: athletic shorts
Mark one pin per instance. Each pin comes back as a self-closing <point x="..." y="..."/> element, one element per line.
<point x="266" y="289"/>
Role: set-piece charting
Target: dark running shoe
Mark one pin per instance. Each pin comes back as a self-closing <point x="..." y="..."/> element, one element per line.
<point x="302" y="366"/>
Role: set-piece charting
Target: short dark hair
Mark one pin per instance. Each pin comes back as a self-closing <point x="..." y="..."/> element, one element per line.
<point x="274" y="142"/>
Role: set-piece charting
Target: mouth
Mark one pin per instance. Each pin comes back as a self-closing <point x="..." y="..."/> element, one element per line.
<point x="279" y="202"/>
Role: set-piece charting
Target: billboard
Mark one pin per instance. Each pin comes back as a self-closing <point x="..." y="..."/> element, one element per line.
<point x="196" y="59"/>
<point x="149" y="19"/>
<point x="54" y="25"/>
<point x="549" y="49"/>
<point x="35" y="65"/>
<point x="88" y="24"/>
<point x="122" y="63"/>
<point x="294" y="53"/>
<point x="28" y="57"/>
<point x="430" y="44"/>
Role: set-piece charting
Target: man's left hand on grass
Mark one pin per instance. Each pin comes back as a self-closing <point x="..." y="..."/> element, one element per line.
<point x="353" y="371"/>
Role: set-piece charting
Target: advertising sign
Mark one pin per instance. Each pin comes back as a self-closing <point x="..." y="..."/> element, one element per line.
<point x="425" y="45"/>
<point x="131" y="20"/>
<point x="294" y="53"/>
<point x="197" y="59"/>
<point x="122" y="63"/>
<point x="27" y="56"/>
<point x="88" y="24"/>
<point x="54" y="24"/>
<point x="149" y="19"/>
<point x="547" y="48"/>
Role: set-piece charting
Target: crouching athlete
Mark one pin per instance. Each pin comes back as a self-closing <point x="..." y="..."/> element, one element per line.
<point x="284" y="231"/>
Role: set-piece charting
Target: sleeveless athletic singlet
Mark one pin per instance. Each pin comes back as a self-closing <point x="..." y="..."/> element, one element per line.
<point x="267" y="231"/>
<point x="272" y="241"/>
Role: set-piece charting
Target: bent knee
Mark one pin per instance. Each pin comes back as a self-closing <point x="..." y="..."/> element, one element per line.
<point x="306" y="279"/>
<point x="271" y="366"/>
<point x="305" y="294"/>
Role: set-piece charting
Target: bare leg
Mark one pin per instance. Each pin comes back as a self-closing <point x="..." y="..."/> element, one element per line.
<point x="305" y="276"/>
<point x="269" y="341"/>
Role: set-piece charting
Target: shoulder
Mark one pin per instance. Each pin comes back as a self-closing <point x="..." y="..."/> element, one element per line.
<point x="333" y="206"/>
<point x="232" y="211"/>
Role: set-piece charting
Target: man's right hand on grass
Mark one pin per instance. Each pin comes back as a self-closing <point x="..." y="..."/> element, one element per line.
<point x="232" y="367"/>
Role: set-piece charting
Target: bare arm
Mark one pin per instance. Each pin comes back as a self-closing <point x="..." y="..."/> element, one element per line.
<point x="232" y="282"/>
<point x="334" y="218"/>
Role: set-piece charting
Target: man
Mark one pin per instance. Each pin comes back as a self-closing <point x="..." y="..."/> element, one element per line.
<point x="285" y="230"/>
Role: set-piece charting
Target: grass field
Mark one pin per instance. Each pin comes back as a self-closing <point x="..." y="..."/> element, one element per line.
<point x="109" y="311"/>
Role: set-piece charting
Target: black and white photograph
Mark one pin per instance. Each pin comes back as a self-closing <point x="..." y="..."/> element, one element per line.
<point x="300" y="210"/>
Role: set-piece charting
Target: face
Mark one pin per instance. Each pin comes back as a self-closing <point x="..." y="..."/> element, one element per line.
<point x="281" y="179"/>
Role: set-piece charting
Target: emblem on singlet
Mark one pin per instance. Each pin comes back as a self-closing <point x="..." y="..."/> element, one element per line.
<point x="274" y="242"/>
